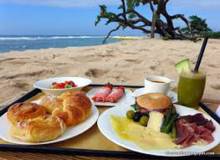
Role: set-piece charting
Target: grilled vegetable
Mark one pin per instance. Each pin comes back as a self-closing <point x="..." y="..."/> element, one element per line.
<point x="173" y="131"/>
<point x="144" y="120"/>
<point x="169" y="120"/>
<point x="130" y="114"/>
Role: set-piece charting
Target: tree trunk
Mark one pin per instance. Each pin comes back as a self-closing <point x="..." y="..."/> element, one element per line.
<point x="154" y="19"/>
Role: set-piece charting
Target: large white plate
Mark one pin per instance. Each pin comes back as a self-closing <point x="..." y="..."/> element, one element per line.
<point x="69" y="133"/>
<point x="141" y="91"/>
<point x="106" y="129"/>
<point x="126" y="99"/>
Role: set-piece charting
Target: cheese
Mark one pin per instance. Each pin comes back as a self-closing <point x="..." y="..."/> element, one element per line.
<point x="146" y="138"/>
<point x="155" y="121"/>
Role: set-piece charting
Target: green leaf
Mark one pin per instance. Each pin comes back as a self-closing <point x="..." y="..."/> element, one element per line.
<point x="132" y="15"/>
<point x="134" y="106"/>
<point x="98" y="19"/>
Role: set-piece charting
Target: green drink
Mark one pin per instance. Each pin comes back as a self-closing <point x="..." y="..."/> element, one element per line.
<point x="190" y="88"/>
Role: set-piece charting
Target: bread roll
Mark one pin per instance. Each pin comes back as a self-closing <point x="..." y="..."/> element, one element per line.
<point x="24" y="111"/>
<point x="154" y="102"/>
<point x="71" y="106"/>
<point x="40" y="129"/>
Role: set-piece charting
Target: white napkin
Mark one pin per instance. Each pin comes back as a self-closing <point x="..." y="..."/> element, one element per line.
<point x="218" y="111"/>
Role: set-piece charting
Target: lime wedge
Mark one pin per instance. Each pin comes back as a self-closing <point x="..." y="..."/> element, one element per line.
<point x="183" y="66"/>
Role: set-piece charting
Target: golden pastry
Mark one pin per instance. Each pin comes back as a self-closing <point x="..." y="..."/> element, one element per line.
<point x="72" y="106"/>
<point x="40" y="129"/>
<point x="24" y="111"/>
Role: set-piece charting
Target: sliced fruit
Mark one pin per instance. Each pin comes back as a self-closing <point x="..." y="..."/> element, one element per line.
<point x="183" y="66"/>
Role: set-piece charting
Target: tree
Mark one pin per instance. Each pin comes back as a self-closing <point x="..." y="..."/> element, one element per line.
<point x="198" y="26"/>
<point x="161" y="21"/>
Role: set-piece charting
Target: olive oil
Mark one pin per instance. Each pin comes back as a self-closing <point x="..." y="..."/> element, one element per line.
<point x="144" y="137"/>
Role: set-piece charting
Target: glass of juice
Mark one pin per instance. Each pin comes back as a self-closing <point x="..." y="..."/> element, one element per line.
<point x="191" y="88"/>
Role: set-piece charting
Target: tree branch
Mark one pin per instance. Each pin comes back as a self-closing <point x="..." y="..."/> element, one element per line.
<point x="181" y="16"/>
<point x="109" y="33"/>
<point x="151" y="6"/>
<point x="124" y="9"/>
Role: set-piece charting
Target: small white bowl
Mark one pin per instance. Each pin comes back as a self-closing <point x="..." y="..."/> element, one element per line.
<point x="46" y="84"/>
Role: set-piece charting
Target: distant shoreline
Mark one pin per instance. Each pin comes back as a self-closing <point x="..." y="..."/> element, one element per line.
<point x="23" y="42"/>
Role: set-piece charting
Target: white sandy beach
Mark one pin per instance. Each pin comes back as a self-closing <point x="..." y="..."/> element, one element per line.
<point x="126" y="62"/>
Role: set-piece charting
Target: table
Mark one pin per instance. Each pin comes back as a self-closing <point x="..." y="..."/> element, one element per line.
<point x="213" y="104"/>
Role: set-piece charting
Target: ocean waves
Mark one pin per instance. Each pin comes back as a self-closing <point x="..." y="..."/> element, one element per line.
<point x="32" y="38"/>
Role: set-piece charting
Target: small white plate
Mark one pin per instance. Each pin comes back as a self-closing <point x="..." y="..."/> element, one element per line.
<point x="141" y="91"/>
<point x="126" y="99"/>
<point x="69" y="133"/>
<point x="45" y="85"/>
<point x="104" y="124"/>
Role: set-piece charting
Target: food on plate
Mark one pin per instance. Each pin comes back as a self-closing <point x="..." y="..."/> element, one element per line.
<point x="48" y="120"/>
<point x="102" y="93"/>
<point x="24" y="111"/>
<point x="108" y="93"/>
<point x="115" y="94"/>
<point x="162" y="118"/>
<point x="169" y="120"/>
<point x="153" y="102"/>
<point x="40" y="129"/>
<point x="147" y="103"/>
<point x="193" y="129"/>
<point x="62" y="85"/>
<point x="155" y="120"/>
<point x="72" y="107"/>
<point x="144" y="137"/>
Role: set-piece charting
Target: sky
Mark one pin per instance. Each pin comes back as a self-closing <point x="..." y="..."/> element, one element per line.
<point x="77" y="17"/>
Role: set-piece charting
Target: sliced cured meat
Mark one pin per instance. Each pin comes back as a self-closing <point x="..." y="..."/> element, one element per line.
<point x="116" y="94"/>
<point x="210" y="126"/>
<point x="102" y="93"/>
<point x="199" y="119"/>
<point x="191" y="129"/>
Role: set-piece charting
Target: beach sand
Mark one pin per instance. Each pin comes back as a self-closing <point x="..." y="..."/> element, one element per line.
<point x="125" y="62"/>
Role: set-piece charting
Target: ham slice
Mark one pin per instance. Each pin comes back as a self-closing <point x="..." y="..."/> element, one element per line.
<point x="192" y="128"/>
<point x="115" y="95"/>
<point x="102" y="93"/>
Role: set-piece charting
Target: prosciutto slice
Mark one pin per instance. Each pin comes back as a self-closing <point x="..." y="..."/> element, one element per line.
<point x="102" y="93"/>
<point x="115" y="95"/>
<point x="192" y="128"/>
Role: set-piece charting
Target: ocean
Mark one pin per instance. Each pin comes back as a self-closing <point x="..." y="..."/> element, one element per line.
<point x="21" y="43"/>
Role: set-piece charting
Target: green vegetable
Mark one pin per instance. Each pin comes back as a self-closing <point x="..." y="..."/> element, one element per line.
<point x="144" y="120"/>
<point x="130" y="114"/>
<point x="134" y="106"/>
<point x="183" y="65"/>
<point x="68" y="86"/>
<point x="169" y="120"/>
<point x="173" y="131"/>
<point x="167" y="117"/>
<point x="168" y="127"/>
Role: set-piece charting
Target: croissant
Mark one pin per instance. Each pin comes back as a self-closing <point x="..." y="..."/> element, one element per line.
<point x="40" y="129"/>
<point x="24" y="111"/>
<point x="72" y="107"/>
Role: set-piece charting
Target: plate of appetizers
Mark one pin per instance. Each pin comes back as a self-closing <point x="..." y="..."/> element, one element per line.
<point x="53" y="120"/>
<point x="58" y="85"/>
<point x="108" y="95"/>
<point x="141" y="91"/>
<point x="159" y="127"/>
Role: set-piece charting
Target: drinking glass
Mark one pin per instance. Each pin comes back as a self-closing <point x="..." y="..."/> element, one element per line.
<point x="191" y="88"/>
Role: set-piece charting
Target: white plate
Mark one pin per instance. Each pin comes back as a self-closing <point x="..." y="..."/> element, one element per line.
<point x="69" y="133"/>
<point x="106" y="129"/>
<point x="45" y="85"/>
<point x="141" y="91"/>
<point x="126" y="99"/>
